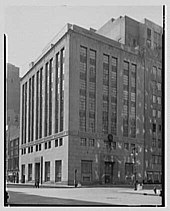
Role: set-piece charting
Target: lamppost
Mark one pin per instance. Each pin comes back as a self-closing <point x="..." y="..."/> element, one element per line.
<point x="134" y="153"/>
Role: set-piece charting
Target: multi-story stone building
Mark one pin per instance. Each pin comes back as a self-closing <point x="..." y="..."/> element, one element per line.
<point x="12" y="122"/>
<point x="82" y="106"/>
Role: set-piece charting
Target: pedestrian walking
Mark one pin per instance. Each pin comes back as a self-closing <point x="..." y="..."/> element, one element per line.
<point x="36" y="183"/>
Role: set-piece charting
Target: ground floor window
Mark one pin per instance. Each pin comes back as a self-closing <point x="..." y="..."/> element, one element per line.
<point x="109" y="172"/>
<point x="47" y="171"/>
<point x="23" y="173"/>
<point x="29" y="171"/>
<point x="86" y="170"/>
<point x="58" y="170"/>
<point x="154" y="177"/>
<point x="128" y="172"/>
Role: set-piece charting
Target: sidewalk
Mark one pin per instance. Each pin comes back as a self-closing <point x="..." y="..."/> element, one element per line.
<point x="123" y="188"/>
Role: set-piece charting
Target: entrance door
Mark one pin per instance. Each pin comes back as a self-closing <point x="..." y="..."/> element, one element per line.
<point x="37" y="171"/>
<point x="109" y="172"/>
<point x="23" y="173"/>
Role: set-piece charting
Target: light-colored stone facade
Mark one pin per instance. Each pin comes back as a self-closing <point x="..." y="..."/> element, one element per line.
<point x="73" y="155"/>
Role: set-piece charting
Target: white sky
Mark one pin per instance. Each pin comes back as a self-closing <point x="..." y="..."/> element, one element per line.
<point x="30" y="28"/>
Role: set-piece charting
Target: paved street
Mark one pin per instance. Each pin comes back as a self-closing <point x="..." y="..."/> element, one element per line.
<point x="83" y="196"/>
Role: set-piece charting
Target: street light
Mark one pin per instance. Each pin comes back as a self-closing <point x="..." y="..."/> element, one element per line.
<point x="134" y="153"/>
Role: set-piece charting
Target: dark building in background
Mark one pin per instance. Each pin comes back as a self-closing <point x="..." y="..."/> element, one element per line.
<point x="89" y="111"/>
<point x="12" y="121"/>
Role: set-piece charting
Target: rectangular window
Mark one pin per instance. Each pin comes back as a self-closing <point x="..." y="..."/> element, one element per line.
<point x="159" y="72"/>
<point x="40" y="108"/>
<point x="30" y="172"/>
<point x="92" y="90"/>
<point x="60" y="141"/>
<point x="56" y="143"/>
<point x="132" y="146"/>
<point x="154" y="72"/>
<point x="154" y="113"/>
<point x="46" y="98"/>
<point x="47" y="171"/>
<point x="62" y="62"/>
<point x="159" y="86"/>
<point x="126" y="146"/>
<point x="39" y="147"/>
<point x="105" y="92"/>
<point x="113" y="145"/>
<point x="50" y="95"/>
<point x="83" y="142"/>
<point x="126" y="99"/>
<point x="31" y="148"/>
<point x="83" y="88"/>
<point x="114" y="96"/>
<point x="91" y="142"/>
<point x="154" y="98"/>
<point x="37" y="104"/>
<point x="133" y="101"/>
<point x="159" y="100"/>
<point x="86" y="170"/>
<point x="25" y="112"/>
<point x="45" y="144"/>
<point x="128" y="170"/>
<point x="36" y="148"/>
<point x="159" y="143"/>
<point x="148" y="37"/>
<point x="29" y="111"/>
<point x="28" y="149"/>
<point x="159" y="114"/>
<point x="153" y="142"/>
<point x="58" y="170"/>
<point x="49" y="144"/>
<point x="153" y="127"/>
<point x="157" y="39"/>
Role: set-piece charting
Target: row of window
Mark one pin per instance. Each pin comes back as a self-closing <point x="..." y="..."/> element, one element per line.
<point x="156" y="38"/>
<point x="129" y="146"/>
<point x="156" y="99"/>
<point x="13" y="163"/>
<point x="47" y="145"/>
<point x="87" y="142"/>
<point x="14" y="142"/>
<point x="154" y="177"/>
<point x="129" y="101"/>
<point x="58" y="171"/>
<point x="156" y="72"/>
<point x="156" y="128"/>
<point x="154" y="111"/>
<point x="13" y="152"/>
<point x="44" y="79"/>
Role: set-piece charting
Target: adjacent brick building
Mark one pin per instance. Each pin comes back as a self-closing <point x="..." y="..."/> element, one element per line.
<point x="82" y="106"/>
<point x="12" y="121"/>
